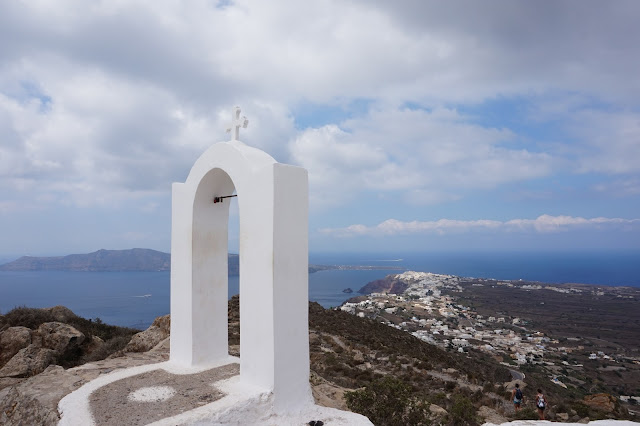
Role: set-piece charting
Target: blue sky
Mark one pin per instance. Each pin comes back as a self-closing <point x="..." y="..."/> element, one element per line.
<point x="463" y="125"/>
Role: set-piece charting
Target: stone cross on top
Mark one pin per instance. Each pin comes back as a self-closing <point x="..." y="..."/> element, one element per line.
<point x="236" y="123"/>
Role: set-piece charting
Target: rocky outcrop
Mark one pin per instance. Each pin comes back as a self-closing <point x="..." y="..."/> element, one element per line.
<point x="30" y="387"/>
<point x="601" y="402"/>
<point x="29" y="361"/>
<point x="490" y="415"/>
<point x="61" y="313"/>
<point x="11" y="341"/>
<point x="437" y="410"/>
<point x="152" y="336"/>
<point x="35" y="400"/>
<point x="25" y="352"/>
<point x="326" y="393"/>
<point x="389" y="284"/>
<point x="59" y="337"/>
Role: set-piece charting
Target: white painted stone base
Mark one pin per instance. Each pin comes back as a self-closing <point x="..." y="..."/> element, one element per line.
<point x="243" y="404"/>
<point x="75" y="409"/>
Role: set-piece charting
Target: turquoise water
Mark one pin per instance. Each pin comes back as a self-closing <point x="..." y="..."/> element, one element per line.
<point x="135" y="298"/>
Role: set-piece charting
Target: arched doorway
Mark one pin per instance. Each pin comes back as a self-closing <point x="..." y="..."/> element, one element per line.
<point x="273" y="209"/>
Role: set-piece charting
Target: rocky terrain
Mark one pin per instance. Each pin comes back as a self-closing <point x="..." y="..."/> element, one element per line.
<point x="47" y="353"/>
<point x="389" y="284"/>
<point x="357" y="363"/>
<point x="574" y="341"/>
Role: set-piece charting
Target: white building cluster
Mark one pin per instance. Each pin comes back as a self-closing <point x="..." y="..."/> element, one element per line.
<point x="430" y="315"/>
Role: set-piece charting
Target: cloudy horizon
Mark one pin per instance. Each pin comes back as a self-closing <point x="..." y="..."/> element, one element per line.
<point x="423" y="125"/>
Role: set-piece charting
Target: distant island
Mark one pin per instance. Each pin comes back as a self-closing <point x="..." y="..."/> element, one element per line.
<point x="137" y="259"/>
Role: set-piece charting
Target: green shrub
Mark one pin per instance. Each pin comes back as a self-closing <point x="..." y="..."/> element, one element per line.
<point x="27" y="317"/>
<point x="477" y="395"/>
<point x="527" y="413"/>
<point x="581" y="409"/>
<point x="462" y="412"/>
<point x="388" y="402"/>
<point x="439" y="398"/>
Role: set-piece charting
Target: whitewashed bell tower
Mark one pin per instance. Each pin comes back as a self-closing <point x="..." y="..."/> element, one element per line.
<point x="273" y="217"/>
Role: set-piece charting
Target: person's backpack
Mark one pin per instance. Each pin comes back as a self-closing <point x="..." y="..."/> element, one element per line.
<point x="541" y="402"/>
<point x="518" y="394"/>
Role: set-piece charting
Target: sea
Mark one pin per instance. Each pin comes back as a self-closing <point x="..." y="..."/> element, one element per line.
<point x="134" y="299"/>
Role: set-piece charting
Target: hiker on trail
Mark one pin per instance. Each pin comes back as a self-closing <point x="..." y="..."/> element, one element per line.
<point x="541" y="404"/>
<point x="517" y="397"/>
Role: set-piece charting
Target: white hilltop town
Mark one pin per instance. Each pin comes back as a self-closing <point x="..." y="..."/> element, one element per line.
<point x="424" y="300"/>
<point x="423" y="305"/>
<point x="424" y="311"/>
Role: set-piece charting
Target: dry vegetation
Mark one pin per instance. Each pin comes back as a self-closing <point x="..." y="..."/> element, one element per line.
<point x="394" y="376"/>
<point x="115" y="338"/>
<point x="390" y="376"/>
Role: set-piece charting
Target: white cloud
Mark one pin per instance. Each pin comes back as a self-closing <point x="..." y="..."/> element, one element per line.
<point x="620" y="188"/>
<point x="547" y="223"/>
<point x="543" y="223"/>
<point x="107" y="101"/>
<point x="324" y="51"/>
<point x="337" y="166"/>
<point x="424" y="156"/>
<point x="128" y="80"/>
<point x="610" y="141"/>
<point x="511" y="48"/>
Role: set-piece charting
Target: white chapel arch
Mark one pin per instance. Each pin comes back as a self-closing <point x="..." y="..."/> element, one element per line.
<point x="273" y="218"/>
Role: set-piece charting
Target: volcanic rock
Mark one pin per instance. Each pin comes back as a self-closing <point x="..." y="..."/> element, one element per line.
<point x="601" y="401"/>
<point x="58" y="336"/>
<point x="11" y="341"/>
<point x="156" y="333"/>
<point x="28" y="361"/>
